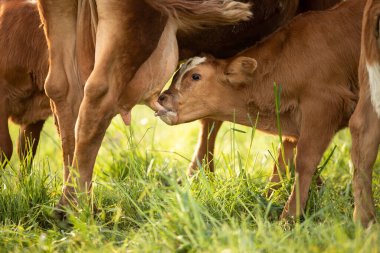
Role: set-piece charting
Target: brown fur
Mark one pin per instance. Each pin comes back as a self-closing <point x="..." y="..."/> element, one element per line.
<point x="86" y="91"/>
<point x="226" y="41"/>
<point x="23" y="68"/>
<point x="365" y="122"/>
<point x="207" y="12"/>
<point x="127" y="69"/>
<point x="314" y="62"/>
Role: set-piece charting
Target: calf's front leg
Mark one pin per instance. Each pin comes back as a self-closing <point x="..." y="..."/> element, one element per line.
<point x="289" y="146"/>
<point x="205" y="146"/>
<point x="316" y="134"/>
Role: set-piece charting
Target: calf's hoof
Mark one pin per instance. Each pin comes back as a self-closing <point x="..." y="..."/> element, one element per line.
<point x="290" y="218"/>
<point x="366" y="219"/>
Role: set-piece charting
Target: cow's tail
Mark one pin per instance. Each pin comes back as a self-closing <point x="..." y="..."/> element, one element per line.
<point x="195" y="14"/>
<point x="371" y="50"/>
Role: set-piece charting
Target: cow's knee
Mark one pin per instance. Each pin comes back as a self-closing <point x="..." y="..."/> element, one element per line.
<point x="98" y="93"/>
<point x="56" y="85"/>
<point x="95" y="90"/>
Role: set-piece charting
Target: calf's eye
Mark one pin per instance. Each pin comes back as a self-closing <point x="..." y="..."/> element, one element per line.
<point x="196" y="77"/>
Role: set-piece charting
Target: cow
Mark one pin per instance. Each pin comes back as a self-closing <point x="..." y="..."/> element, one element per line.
<point x="365" y="121"/>
<point x="23" y="68"/>
<point x="313" y="61"/>
<point x="106" y="56"/>
<point x="92" y="77"/>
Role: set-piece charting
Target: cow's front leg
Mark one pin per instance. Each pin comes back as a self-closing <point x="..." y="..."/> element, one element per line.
<point x="365" y="131"/>
<point x="205" y="146"/>
<point x="28" y="139"/>
<point x="316" y="134"/>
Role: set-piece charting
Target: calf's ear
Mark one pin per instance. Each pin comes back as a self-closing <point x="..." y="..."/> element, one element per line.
<point x="239" y="71"/>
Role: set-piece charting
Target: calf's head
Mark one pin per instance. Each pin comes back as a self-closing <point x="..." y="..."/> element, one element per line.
<point x="206" y="87"/>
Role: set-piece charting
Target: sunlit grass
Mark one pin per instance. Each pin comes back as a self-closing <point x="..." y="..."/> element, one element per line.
<point x="142" y="208"/>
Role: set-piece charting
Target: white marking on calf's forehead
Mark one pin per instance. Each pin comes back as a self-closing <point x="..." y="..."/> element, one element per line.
<point x="187" y="66"/>
<point x="374" y="84"/>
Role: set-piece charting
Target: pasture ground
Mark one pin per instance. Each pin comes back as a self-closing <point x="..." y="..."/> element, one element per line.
<point x="141" y="208"/>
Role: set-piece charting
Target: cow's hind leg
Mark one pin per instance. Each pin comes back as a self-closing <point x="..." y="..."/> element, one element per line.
<point x="365" y="131"/>
<point x="112" y="71"/>
<point x="28" y="139"/>
<point x="63" y="84"/>
<point x="6" y="147"/>
<point x="205" y="146"/>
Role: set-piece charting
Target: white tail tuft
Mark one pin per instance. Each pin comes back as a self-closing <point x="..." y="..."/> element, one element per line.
<point x="196" y="14"/>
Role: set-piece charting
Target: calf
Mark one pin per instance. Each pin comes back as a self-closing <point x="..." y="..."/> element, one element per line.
<point x="23" y="68"/>
<point x="226" y="41"/>
<point x="313" y="60"/>
<point x="365" y="122"/>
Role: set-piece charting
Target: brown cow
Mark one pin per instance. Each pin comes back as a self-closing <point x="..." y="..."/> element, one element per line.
<point x="136" y="51"/>
<point x="314" y="62"/>
<point x="365" y="122"/>
<point x="131" y="67"/>
<point x="23" y="68"/>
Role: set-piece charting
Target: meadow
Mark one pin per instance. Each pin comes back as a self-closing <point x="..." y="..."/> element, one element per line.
<point x="142" y="208"/>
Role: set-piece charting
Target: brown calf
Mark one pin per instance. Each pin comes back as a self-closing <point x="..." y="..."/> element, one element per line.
<point x="227" y="41"/>
<point x="315" y="63"/>
<point x="23" y="68"/>
<point x="365" y="122"/>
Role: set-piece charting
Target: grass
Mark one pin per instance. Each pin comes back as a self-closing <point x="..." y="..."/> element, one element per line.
<point x="143" y="209"/>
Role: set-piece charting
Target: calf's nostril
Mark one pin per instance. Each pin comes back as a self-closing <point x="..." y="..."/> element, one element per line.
<point x="162" y="98"/>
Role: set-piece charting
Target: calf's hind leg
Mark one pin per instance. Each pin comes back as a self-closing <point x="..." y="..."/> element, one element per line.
<point x="206" y="145"/>
<point x="365" y="131"/>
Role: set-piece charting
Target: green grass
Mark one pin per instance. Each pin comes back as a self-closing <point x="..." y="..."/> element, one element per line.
<point x="141" y="208"/>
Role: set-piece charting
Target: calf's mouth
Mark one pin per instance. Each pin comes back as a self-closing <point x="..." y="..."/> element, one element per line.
<point x="168" y="116"/>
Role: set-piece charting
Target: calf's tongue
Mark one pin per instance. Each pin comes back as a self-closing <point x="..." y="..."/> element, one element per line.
<point x="161" y="112"/>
